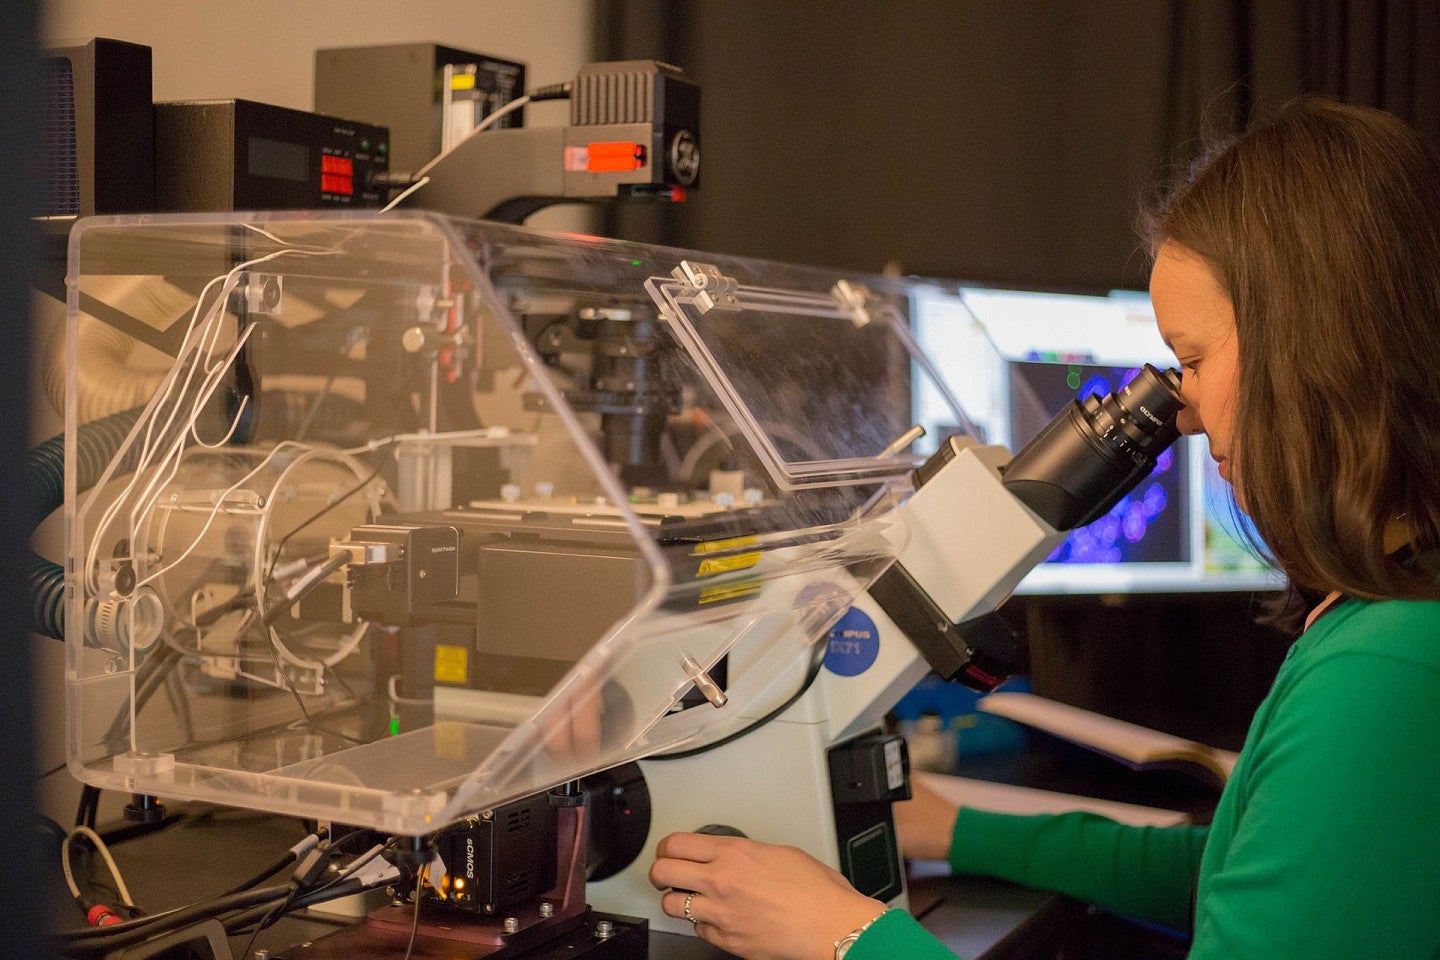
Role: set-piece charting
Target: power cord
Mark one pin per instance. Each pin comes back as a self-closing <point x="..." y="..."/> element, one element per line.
<point x="97" y="914"/>
<point x="260" y="906"/>
<point x="414" y="181"/>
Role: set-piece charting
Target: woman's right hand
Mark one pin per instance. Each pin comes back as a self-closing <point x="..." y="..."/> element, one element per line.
<point x="925" y="823"/>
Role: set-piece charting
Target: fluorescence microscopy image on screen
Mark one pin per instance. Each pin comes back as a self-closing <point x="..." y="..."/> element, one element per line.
<point x="1148" y="525"/>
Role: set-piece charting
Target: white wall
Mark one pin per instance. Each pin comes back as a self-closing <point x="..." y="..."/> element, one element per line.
<point x="265" y="50"/>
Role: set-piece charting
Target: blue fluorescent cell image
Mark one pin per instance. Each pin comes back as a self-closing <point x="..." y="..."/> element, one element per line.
<point x="1145" y="526"/>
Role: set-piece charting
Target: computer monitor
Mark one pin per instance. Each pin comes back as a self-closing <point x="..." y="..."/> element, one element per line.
<point x="1013" y="359"/>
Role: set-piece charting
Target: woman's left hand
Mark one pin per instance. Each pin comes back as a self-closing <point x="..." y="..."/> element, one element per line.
<point x="756" y="900"/>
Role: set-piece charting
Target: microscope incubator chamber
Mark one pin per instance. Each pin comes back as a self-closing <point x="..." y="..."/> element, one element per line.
<point x="391" y="519"/>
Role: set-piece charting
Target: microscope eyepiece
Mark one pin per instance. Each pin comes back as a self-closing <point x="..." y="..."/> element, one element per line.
<point x="1097" y="450"/>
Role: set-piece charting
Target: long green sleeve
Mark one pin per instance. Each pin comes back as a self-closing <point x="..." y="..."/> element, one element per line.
<point x="1143" y="872"/>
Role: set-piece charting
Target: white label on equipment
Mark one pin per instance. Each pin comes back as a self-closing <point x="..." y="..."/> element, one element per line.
<point x="894" y="770"/>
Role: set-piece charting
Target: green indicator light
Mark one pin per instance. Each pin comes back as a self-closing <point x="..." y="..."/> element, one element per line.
<point x="394" y="726"/>
<point x="1073" y="380"/>
<point x="634" y="263"/>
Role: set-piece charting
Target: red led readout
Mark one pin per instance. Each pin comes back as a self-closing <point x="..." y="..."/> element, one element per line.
<point x="337" y="174"/>
<point x="619" y="156"/>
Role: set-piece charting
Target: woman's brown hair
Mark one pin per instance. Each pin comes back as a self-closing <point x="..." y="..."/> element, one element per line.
<point x="1323" y="226"/>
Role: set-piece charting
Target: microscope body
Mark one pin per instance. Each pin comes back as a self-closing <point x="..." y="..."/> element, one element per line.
<point x="803" y="779"/>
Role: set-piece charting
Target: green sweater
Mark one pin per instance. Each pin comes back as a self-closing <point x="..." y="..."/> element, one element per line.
<point x="1326" y="840"/>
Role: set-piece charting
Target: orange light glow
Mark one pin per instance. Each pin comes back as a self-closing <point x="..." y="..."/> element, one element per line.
<point x="617" y="156"/>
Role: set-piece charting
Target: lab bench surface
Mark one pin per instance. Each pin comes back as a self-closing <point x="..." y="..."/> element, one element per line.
<point x="212" y="847"/>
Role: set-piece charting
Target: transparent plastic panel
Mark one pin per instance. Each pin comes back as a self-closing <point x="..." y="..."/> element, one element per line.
<point x="819" y="380"/>
<point x="427" y="515"/>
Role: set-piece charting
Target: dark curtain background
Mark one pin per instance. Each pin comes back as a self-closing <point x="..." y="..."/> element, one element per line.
<point x="994" y="141"/>
<point x="20" y="901"/>
<point x="1011" y="143"/>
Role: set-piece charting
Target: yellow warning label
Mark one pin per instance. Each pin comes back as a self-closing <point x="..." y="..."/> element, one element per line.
<point x="721" y="546"/>
<point x="450" y="663"/>
<point x="449" y="739"/>
<point x="729" y="591"/>
<point x="741" y="561"/>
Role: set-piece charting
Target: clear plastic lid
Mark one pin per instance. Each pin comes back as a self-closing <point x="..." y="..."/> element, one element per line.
<point x="419" y="516"/>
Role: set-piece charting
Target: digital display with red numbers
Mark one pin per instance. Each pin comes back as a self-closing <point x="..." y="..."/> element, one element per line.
<point x="337" y="174"/>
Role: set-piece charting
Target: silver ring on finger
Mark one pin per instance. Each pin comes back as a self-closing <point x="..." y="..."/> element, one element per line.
<point x="688" y="915"/>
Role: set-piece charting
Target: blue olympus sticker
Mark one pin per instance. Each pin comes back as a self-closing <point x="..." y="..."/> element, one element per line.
<point x="854" y="644"/>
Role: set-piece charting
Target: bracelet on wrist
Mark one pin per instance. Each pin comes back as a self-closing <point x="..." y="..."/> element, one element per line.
<point x="843" y="945"/>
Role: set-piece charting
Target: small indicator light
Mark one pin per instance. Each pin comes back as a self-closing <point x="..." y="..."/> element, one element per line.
<point x="634" y="263"/>
<point x="615" y="156"/>
<point x="462" y="81"/>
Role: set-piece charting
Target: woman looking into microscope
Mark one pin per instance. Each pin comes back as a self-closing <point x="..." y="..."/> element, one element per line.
<point x="1297" y="279"/>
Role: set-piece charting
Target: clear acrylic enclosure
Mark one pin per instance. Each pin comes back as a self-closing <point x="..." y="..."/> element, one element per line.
<point x="427" y="515"/>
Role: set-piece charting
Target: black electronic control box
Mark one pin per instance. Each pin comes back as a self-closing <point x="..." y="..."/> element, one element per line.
<point x="867" y="775"/>
<point x="497" y="860"/>
<point x="428" y="94"/>
<point x="96" y="137"/>
<point x="213" y="155"/>
<point x="418" y="565"/>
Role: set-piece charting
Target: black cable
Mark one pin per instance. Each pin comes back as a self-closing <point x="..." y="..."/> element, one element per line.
<point x="415" y="921"/>
<point x="317" y="515"/>
<point x="272" y="915"/>
<point x="302" y="588"/>
<point x="179" y="697"/>
<point x="57" y="832"/>
<point x="132" y="830"/>
<point x="307" y="889"/>
<point x="319" y="402"/>
<point x="51" y="772"/>
<point x="89" y="804"/>
<point x="239" y="923"/>
<point x="262" y="876"/>
<point x="310" y="720"/>
<point x="816" y="663"/>
<point x="108" y="939"/>
<point x="147" y="680"/>
<point x="552" y="91"/>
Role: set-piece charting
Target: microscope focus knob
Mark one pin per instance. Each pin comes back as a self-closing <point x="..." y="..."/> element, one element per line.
<point x="720" y="830"/>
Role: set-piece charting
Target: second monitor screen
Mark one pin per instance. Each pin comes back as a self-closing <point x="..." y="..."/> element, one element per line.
<point x="1148" y="525"/>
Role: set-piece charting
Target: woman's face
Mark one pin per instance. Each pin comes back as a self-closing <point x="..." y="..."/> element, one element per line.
<point x="1197" y="321"/>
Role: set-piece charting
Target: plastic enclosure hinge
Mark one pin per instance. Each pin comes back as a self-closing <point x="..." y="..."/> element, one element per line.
<point x="854" y="299"/>
<point x="713" y="290"/>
